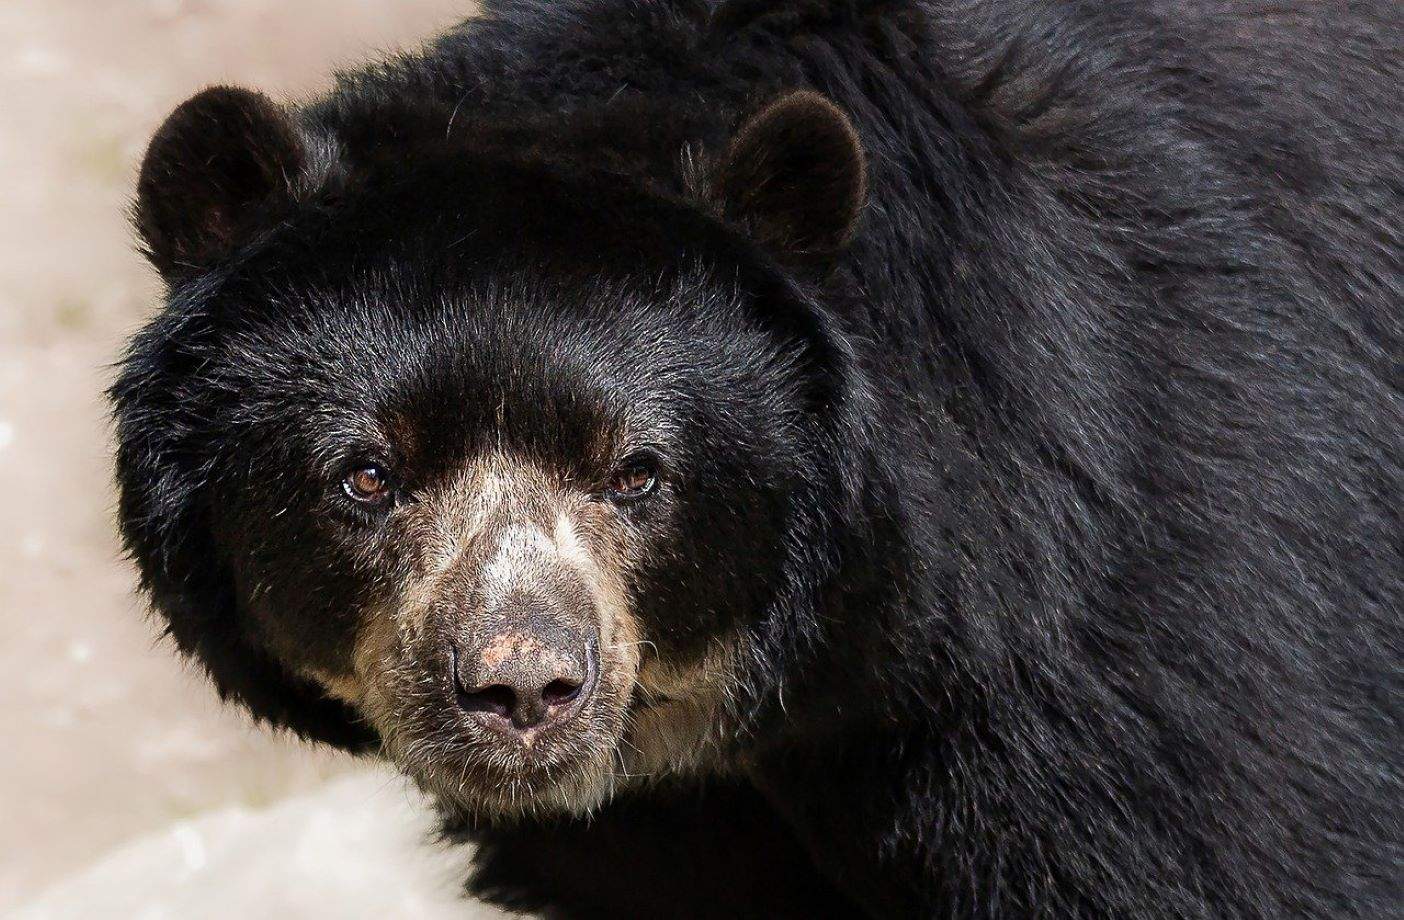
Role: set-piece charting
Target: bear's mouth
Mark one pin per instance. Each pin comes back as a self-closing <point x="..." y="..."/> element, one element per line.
<point x="557" y="771"/>
<point x="480" y="764"/>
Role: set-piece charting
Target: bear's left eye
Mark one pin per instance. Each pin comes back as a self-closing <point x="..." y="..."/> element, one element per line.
<point x="369" y="484"/>
<point x="633" y="478"/>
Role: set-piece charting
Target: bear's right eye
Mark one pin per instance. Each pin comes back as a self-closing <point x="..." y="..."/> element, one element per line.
<point x="634" y="478"/>
<point x="369" y="484"/>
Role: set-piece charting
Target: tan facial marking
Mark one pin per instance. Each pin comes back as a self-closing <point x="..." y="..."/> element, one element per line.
<point x="372" y="653"/>
<point x="678" y="727"/>
<point x="522" y="552"/>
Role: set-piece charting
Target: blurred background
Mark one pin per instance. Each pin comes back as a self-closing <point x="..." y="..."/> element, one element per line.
<point x="126" y="790"/>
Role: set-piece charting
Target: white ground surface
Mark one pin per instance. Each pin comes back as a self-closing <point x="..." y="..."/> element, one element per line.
<point x="125" y="790"/>
<point x="352" y="848"/>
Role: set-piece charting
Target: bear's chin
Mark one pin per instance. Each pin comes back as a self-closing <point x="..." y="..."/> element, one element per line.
<point x="496" y="793"/>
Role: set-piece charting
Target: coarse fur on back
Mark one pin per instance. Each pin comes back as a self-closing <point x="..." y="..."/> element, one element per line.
<point x="1034" y="380"/>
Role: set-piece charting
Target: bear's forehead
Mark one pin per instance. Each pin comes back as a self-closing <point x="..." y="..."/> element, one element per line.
<point x="439" y="397"/>
<point x="398" y="332"/>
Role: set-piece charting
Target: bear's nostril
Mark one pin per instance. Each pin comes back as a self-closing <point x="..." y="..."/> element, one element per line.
<point x="498" y="699"/>
<point x="561" y="690"/>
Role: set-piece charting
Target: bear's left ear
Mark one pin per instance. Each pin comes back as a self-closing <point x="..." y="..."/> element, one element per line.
<point x="794" y="175"/>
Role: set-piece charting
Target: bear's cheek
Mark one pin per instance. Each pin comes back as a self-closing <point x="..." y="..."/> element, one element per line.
<point x="682" y="710"/>
<point x="305" y="597"/>
<point x="714" y="573"/>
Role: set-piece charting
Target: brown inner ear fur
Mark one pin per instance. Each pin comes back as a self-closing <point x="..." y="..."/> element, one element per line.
<point x="795" y="176"/>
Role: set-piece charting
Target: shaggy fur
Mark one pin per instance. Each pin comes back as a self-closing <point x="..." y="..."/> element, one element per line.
<point x="1055" y="518"/>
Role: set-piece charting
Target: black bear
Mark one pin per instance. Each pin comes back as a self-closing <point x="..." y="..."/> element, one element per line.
<point x="812" y="458"/>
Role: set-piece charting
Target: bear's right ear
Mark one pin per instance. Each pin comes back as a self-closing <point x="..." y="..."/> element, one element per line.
<point x="219" y="160"/>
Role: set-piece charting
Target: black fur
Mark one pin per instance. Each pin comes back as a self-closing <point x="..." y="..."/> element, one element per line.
<point x="1060" y="509"/>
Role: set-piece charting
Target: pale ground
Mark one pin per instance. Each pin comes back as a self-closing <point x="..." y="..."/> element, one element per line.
<point x="124" y="789"/>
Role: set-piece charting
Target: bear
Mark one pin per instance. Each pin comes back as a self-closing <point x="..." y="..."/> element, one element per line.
<point x="903" y="458"/>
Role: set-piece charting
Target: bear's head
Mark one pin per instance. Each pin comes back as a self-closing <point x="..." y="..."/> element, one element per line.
<point x="520" y="472"/>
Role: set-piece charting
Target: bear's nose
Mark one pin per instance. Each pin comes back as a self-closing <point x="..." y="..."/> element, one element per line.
<point x="519" y="678"/>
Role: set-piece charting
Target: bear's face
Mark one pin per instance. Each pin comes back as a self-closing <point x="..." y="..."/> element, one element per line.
<point x="515" y="528"/>
<point x="497" y="466"/>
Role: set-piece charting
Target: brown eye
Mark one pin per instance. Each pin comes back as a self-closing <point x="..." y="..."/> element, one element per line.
<point x="633" y="479"/>
<point x="370" y="483"/>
